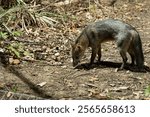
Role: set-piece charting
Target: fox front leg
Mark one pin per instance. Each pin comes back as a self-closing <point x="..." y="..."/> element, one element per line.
<point x="94" y="52"/>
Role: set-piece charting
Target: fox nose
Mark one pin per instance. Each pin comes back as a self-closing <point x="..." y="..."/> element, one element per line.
<point x="74" y="64"/>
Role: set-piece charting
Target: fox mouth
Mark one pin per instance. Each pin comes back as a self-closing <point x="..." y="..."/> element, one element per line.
<point x="75" y="64"/>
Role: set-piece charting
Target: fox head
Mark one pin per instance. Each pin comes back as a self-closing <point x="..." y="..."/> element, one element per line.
<point x="77" y="53"/>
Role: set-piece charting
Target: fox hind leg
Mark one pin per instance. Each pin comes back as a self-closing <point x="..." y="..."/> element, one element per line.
<point x="123" y="44"/>
<point x="124" y="58"/>
<point x="132" y="57"/>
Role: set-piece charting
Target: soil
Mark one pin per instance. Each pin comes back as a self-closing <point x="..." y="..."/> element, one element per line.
<point x="55" y="78"/>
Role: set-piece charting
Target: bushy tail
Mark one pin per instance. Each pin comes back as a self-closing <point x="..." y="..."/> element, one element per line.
<point x="138" y="50"/>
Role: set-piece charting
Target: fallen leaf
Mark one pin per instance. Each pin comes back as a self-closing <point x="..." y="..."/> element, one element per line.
<point x="137" y="94"/>
<point x="93" y="79"/>
<point x="2" y="85"/>
<point x="90" y="85"/>
<point x="120" y="88"/>
<point x="64" y="66"/>
<point x="112" y="85"/>
<point x="9" y="94"/>
<point x="14" y="61"/>
<point x="116" y="70"/>
<point x="41" y="84"/>
<point x="92" y="92"/>
<point x="102" y="96"/>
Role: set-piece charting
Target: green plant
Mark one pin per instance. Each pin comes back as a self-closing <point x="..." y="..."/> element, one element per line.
<point x="15" y="88"/>
<point x="17" y="33"/>
<point x="147" y="91"/>
<point x="3" y="35"/>
<point x="17" y="49"/>
<point x="14" y="50"/>
<point x="25" y="15"/>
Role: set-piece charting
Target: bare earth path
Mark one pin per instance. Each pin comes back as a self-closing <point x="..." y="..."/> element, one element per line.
<point x="99" y="82"/>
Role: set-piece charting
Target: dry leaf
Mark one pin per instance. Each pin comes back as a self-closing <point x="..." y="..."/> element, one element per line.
<point x="9" y="94"/>
<point x="42" y="84"/>
<point x="101" y="96"/>
<point x="120" y="88"/>
<point x="92" y="92"/>
<point x="112" y="85"/>
<point x="116" y="70"/>
<point x="93" y="79"/>
<point x="90" y="85"/>
<point x="137" y="94"/>
<point x="2" y="85"/>
<point x="14" y="61"/>
<point x="88" y="15"/>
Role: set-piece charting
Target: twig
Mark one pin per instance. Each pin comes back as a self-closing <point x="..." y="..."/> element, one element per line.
<point x="9" y="31"/>
<point x="24" y="26"/>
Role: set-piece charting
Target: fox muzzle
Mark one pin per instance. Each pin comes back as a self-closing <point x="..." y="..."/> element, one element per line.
<point x="75" y="63"/>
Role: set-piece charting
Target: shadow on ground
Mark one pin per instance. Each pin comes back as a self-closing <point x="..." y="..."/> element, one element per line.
<point x="108" y="64"/>
<point x="40" y="92"/>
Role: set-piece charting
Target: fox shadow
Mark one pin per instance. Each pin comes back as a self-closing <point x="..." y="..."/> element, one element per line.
<point x="108" y="64"/>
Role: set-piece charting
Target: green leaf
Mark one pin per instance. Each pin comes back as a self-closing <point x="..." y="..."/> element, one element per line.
<point x="11" y="48"/>
<point x="147" y="91"/>
<point x="3" y="35"/>
<point x="17" y="33"/>
<point x="26" y="53"/>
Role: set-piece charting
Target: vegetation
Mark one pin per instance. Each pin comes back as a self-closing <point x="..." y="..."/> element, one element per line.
<point x="16" y="18"/>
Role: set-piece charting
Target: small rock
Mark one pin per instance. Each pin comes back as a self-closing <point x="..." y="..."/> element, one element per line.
<point x="139" y="78"/>
<point x="57" y="54"/>
<point x="1" y="50"/>
<point x="48" y="50"/>
<point x="16" y="61"/>
<point x="64" y="66"/>
<point x="44" y="47"/>
<point x="88" y="15"/>
<point x="53" y="57"/>
<point x="11" y="60"/>
<point x="71" y="60"/>
<point x="112" y="85"/>
<point x="9" y="94"/>
<point x="145" y="63"/>
<point x="127" y="71"/>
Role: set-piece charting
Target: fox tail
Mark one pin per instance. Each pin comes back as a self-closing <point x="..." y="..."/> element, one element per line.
<point x="137" y="45"/>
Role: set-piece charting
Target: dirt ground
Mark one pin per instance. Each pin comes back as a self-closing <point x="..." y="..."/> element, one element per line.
<point x="61" y="81"/>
